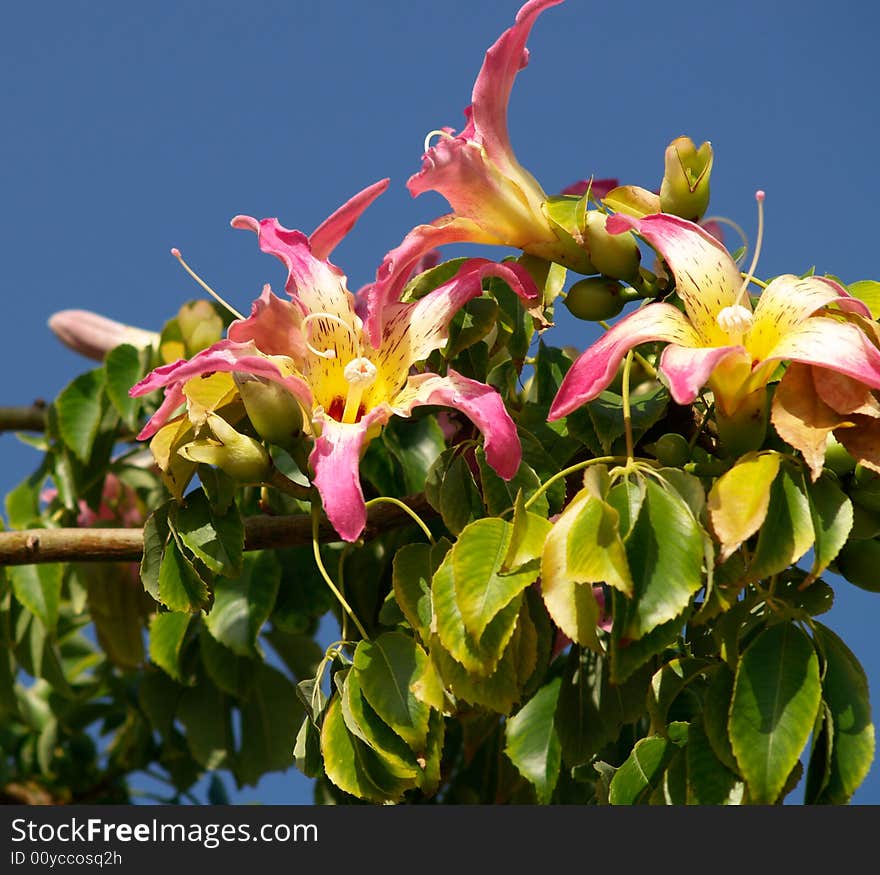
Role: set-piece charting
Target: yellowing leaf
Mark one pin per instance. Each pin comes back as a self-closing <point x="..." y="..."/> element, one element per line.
<point x="739" y="500"/>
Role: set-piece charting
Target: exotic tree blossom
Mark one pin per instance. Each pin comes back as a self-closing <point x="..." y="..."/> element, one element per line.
<point x="719" y="339"/>
<point x="494" y="199"/>
<point x="316" y="348"/>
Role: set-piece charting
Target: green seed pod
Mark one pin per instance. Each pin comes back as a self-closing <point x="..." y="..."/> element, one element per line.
<point x="685" y="188"/>
<point x="596" y="298"/>
<point x="672" y="449"/>
<point x="614" y="255"/>
<point x="200" y="325"/>
<point x="272" y="410"/>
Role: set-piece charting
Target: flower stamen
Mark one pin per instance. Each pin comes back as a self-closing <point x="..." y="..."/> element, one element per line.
<point x="360" y="373"/>
<point x="735" y="321"/>
<point x="437" y="133"/>
<point x="329" y="353"/>
<point x="742" y="295"/>
<point x="176" y="253"/>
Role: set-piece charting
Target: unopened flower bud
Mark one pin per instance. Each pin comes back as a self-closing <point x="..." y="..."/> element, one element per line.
<point x="685" y="188"/>
<point x="272" y="410"/>
<point x="200" y="325"/>
<point x="614" y="255"/>
<point x="241" y="457"/>
<point x="93" y="335"/>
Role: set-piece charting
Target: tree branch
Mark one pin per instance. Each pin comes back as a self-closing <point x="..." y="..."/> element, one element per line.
<point x="31" y="418"/>
<point x="35" y="546"/>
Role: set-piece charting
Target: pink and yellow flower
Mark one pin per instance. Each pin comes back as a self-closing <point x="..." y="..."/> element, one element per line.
<point x="719" y="340"/>
<point x="315" y="347"/>
<point x="494" y="199"/>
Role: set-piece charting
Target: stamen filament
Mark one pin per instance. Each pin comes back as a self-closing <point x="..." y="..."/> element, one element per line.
<point x="176" y="253"/>
<point x="437" y="133"/>
<point x="327" y="353"/>
<point x="743" y="291"/>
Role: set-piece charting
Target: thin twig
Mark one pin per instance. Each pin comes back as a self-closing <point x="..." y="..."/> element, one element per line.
<point x="32" y="418"/>
<point x="35" y="546"/>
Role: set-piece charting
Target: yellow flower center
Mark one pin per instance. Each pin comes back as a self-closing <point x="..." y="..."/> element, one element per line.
<point x="735" y="321"/>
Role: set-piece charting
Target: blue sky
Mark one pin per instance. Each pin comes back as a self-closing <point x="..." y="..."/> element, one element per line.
<point x="132" y="128"/>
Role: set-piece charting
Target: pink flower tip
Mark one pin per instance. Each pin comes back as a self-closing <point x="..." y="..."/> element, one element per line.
<point x="175" y="252"/>
<point x="759" y="195"/>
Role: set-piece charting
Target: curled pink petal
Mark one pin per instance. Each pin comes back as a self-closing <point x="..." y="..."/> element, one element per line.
<point x="687" y="369"/>
<point x="327" y="236"/>
<point x="595" y="368"/>
<point x="274" y="326"/>
<point x="335" y="461"/>
<point x="481" y="404"/>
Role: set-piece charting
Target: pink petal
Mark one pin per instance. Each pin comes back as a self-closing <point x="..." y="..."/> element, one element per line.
<point x="596" y="367"/>
<point x="318" y="285"/>
<point x="480" y="403"/>
<point x="226" y="356"/>
<point x="706" y="277"/>
<point x="335" y="461"/>
<point x="687" y="369"/>
<point x="327" y="236"/>
<point x="274" y="326"/>
<point x="413" y="331"/>
<point x="827" y="343"/>
<point x="397" y="267"/>
<point x="494" y="83"/>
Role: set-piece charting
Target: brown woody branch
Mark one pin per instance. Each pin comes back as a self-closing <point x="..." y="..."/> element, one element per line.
<point x="31" y="418"/>
<point x="34" y="546"/>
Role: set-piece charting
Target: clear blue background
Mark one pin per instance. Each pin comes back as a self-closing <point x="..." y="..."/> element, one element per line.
<point x="129" y="128"/>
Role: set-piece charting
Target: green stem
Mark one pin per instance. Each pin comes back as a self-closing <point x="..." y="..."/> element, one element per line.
<point x="627" y="412"/>
<point x="316" y="550"/>
<point x="572" y="469"/>
<point x="387" y="499"/>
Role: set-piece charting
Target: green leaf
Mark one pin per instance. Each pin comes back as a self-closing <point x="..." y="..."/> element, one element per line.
<point x="532" y="743"/>
<point x="23" y="502"/>
<point x="80" y="409"/>
<point x="363" y="722"/>
<point x="156" y="535"/>
<point x="845" y="690"/>
<point x="740" y="499"/>
<point x="415" y="444"/>
<point x="167" y="634"/>
<point x="717" y="707"/>
<point x="592" y="709"/>
<point x="412" y="570"/>
<point x="787" y="532"/>
<point x="606" y="412"/>
<point x="665" y="557"/>
<point x="204" y="714"/>
<point x="38" y="588"/>
<point x="351" y="765"/>
<point x="477" y="656"/>
<point x="451" y="490"/>
<point x="482" y="587"/>
<point x="499" y="495"/>
<point x="214" y="538"/>
<point x="158" y="696"/>
<point x="832" y="515"/>
<point x="388" y="669"/>
<point x="668" y="682"/>
<point x="122" y="369"/>
<point x="229" y="672"/>
<point x="709" y="781"/>
<point x="243" y="604"/>
<point x="117" y="606"/>
<point x="642" y="771"/>
<point x="869" y="292"/>
<point x="776" y="696"/>
<point x="180" y="587"/>
<point x="472" y="323"/>
<point x="527" y="538"/>
<point x="270" y="719"/>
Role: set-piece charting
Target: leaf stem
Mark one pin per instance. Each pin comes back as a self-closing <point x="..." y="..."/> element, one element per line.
<point x="404" y="507"/>
<point x="316" y="550"/>
<point x="571" y="469"/>
<point x="627" y="412"/>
